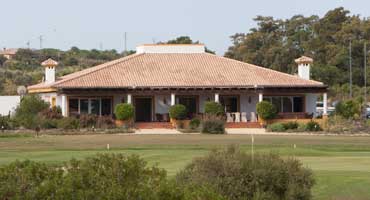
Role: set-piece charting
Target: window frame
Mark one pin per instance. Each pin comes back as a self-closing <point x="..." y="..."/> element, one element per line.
<point x="89" y="103"/>
<point x="291" y="97"/>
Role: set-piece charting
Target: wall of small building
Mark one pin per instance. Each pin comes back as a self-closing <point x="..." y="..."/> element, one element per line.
<point x="8" y="104"/>
<point x="310" y="102"/>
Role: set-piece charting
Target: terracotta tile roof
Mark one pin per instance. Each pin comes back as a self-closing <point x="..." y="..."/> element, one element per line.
<point x="304" y="59"/>
<point x="177" y="70"/>
<point x="12" y="51"/>
<point x="49" y="62"/>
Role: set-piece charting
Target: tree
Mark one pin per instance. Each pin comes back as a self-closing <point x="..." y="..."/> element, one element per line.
<point x="185" y="40"/>
<point x="2" y="60"/>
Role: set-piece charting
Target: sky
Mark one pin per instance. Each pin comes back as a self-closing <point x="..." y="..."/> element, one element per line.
<point x="101" y="24"/>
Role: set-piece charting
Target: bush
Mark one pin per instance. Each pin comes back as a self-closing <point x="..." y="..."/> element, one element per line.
<point x="276" y="127"/>
<point x="348" y="109"/>
<point x="124" y="111"/>
<point x="266" y="110"/>
<point x="291" y="125"/>
<point x="52" y="113"/>
<point x="67" y="123"/>
<point x="88" y="120"/>
<point x="46" y="123"/>
<point x="6" y="123"/>
<point x="178" y="112"/>
<point x="194" y="123"/>
<point x="213" y="125"/>
<point x="105" y="176"/>
<point x="26" y="114"/>
<point x="213" y="108"/>
<point x="313" y="126"/>
<point x="238" y="176"/>
<point x="105" y="122"/>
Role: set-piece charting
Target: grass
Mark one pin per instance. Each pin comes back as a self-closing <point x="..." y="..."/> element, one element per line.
<point x="341" y="164"/>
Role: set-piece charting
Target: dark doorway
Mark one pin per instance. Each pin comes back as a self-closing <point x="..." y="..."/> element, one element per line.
<point x="143" y="109"/>
<point x="190" y="103"/>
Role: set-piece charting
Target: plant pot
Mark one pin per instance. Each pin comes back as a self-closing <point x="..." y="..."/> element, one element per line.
<point x="123" y="123"/>
<point x="180" y="124"/>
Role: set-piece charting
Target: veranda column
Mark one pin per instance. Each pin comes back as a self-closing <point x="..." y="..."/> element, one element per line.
<point x="129" y="98"/>
<point x="260" y="97"/>
<point x="217" y="98"/>
<point x="325" y="102"/>
<point x="64" y="105"/>
<point x="173" y="99"/>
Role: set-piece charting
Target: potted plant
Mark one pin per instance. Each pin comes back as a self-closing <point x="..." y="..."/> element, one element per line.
<point x="265" y="111"/>
<point x="124" y="114"/>
<point x="177" y="114"/>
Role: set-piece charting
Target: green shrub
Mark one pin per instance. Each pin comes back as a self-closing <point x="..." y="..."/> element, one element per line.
<point x="266" y="110"/>
<point x="276" y="127"/>
<point x="194" y="123"/>
<point x="313" y="126"/>
<point x="348" y="109"/>
<point x="52" y="113"/>
<point x="291" y="125"/>
<point x="88" y="120"/>
<point x="26" y="113"/>
<point x="46" y="123"/>
<point x="105" y="176"/>
<point x="105" y="122"/>
<point x="6" y="123"/>
<point x="213" y="108"/>
<point x="68" y="123"/>
<point x="178" y="112"/>
<point x="213" y="125"/>
<point x="238" y="176"/>
<point x="124" y="111"/>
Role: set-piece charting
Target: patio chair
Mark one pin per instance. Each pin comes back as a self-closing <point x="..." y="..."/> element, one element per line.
<point x="229" y="118"/>
<point x="244" y="117"/>
<point x="237" y="117"/>
<point x="253" y="117"/>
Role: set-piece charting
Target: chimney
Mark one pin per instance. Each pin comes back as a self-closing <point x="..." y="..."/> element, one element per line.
<point x="49" y="65"/>
<point x="304" y="65"/>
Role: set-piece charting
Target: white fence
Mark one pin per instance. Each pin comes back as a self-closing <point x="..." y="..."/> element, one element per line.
<point x="8" y="104"/>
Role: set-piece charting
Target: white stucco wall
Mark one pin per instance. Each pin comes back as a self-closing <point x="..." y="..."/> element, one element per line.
<point x="8" y="104"/>
<point x="162" y="103"/>
<point x="247" y="107"/>
<point x="48" y="96"/>
<point x="311" y="103"/>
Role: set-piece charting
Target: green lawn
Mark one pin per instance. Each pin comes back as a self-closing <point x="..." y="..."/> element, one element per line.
<point x="341" y="164"/>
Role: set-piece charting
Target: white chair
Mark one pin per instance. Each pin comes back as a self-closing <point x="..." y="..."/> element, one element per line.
<point x="229" y="117"/>
<point x="253" y="117"/>
<point x="244" y="117"/>
<point x="237" y="117"/>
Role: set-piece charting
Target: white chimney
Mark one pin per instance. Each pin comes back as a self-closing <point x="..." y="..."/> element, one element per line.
<point x="49" y="65"/>
<point x="304" y="65"/>
<point x="171" y="48"/>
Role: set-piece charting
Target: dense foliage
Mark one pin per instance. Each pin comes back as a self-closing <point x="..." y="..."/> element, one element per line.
<point x="105" y="176"/>
<point x="124" y="111"/>
<point x="27" y="113"/>
<point x="213" y="108"/>
<point x="240" y="176"/>
<point x="266" y="110"/>
<point x="178" y="112"/>
<point x="275" y="43"/>
<point x="310" y="126"/>
<point x="213" y="124"/>
<point x="348" y="109"/>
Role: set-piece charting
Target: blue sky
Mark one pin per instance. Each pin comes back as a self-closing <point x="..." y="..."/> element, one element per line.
<point x="92" y="24"/>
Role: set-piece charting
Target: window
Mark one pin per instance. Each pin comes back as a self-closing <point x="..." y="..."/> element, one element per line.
<point x="53" y="102"/>
<point x="286" y="103"/>
<point x="298" y="104"/>
<point x="97" y="106"/>
<point x="106" y="106"/>
<point x="190" y="103"/>
<point x="230" y="103"/>
<point x="84" y="106"/>
<point x="73" y="106"/>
